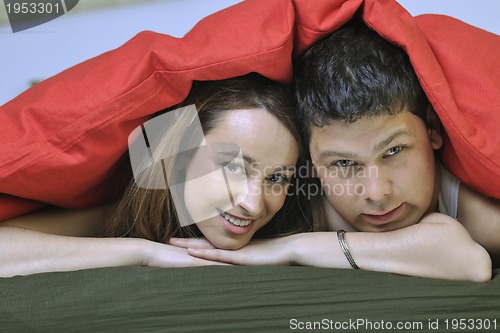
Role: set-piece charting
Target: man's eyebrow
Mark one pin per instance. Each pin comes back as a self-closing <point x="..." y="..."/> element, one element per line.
<point x="381" y="145"/>
<point x="329" y="153"/>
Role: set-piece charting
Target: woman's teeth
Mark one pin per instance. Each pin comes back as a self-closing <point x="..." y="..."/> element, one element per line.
<point x="235" y="221"/>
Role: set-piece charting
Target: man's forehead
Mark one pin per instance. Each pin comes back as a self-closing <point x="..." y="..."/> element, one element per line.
<point x="387" y="122"/>
<point x="367" y="133"/>
<point x="328" y="131"/>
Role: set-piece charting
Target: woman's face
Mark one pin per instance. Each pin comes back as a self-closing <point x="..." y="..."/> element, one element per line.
<point x="252" y="157"/>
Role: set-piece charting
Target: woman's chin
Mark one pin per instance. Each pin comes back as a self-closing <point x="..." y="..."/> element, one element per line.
<point x="229" y="244"/>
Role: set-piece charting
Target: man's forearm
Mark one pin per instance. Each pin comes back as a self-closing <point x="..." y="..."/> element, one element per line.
<point x="431" y="249"/>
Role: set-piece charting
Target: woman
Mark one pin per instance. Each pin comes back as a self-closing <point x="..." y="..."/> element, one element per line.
<point x="250" y="114"/>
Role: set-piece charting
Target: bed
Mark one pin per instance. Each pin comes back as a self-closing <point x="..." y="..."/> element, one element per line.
<point x="243" y="299"/>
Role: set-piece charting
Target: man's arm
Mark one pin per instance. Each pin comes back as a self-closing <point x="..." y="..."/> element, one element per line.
<point x="437" y="247"/>
<point x="480" y="215"/>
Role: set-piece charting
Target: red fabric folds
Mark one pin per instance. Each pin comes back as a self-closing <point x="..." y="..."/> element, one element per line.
<point x="62" y="140"/>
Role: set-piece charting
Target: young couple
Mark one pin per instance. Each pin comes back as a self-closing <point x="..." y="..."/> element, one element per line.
<point x="371" y="135"/>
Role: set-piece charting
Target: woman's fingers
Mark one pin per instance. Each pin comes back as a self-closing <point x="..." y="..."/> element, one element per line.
<point x="204" y="262"/>
<point x="257" y="252"/>
<point x="199" y="243"/>
<point x="166" y="255"/>
<point x="217" y="255"/>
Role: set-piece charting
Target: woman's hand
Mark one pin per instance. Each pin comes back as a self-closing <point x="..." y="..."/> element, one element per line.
<point x="165" y="255"/>
<point x="257" y="252"/>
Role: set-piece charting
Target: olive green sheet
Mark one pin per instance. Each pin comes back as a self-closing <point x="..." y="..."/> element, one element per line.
<point x="244" y="299"/>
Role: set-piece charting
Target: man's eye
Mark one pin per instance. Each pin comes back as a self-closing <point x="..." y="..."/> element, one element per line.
<point x="343" y="163"/>
<point x="394" y="150"/>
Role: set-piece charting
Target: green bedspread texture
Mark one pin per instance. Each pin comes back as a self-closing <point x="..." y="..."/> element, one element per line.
<point x="241" y="299"/>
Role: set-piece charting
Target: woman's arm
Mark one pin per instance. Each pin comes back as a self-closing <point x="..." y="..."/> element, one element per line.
<point x="437" y="247"/>
<point x="26" y="252"/>
<point x="57" y="240"/>
<point x="68" y="222"/>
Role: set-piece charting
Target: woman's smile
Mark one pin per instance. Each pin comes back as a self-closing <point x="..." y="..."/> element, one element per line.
<point x="234" y="225"/>
<point x="240" y="222"/>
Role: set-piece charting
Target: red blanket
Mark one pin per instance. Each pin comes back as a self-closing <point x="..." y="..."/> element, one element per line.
<point x="63" y="139"/>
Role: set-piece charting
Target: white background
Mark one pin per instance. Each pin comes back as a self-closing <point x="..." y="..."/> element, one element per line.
<point x="45" y="50"/>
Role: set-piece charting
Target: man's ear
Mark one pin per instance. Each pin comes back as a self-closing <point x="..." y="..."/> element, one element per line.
<point x="433" y="127"/>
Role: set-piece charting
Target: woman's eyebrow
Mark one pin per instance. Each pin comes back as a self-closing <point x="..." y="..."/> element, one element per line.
<point x="251" y="160"/>
<point x="235" y="154"/>
<point x="285" y="168"/>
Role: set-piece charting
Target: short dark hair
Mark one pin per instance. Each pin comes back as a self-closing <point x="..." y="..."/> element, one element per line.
<point x="354" y="73"/>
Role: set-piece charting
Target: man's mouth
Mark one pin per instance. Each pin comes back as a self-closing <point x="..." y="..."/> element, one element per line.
<point x="386" y="217"/>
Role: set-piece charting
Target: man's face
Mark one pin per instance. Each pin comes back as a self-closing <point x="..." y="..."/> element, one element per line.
<point x="379" y="172"/>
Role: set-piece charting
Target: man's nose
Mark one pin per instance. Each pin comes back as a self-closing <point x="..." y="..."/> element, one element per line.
<point x="378" y="185"/>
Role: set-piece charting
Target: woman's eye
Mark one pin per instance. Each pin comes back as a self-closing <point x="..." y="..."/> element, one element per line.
<point x="343" y="163"/>
<point x="278" y="178"/>
<point x="394" y="150"/>
<point x="233" y="167"/>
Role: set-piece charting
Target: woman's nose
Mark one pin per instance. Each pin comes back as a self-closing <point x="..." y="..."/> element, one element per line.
<point x="253" y="200"/>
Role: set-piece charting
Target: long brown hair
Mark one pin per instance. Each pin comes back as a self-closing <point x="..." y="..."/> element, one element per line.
<point x="150" y="213"/>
